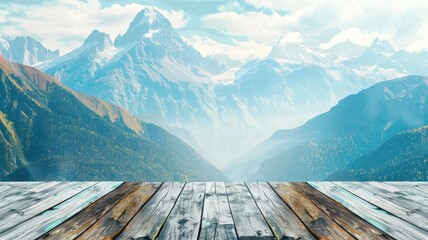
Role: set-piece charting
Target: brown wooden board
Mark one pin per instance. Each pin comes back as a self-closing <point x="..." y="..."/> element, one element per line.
<point x="320" y="225"/>
<point x="353" y="224"/>
<point x="281" y="219"/>
<point x="147" y="223"/>
<point x="114" y="221"/>
<point x="80" y="222"/>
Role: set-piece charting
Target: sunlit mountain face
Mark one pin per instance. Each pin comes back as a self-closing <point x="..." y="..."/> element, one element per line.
<point x="295" y="99"/>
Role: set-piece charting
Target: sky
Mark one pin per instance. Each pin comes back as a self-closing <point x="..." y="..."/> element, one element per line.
<point x="242" y="30"/>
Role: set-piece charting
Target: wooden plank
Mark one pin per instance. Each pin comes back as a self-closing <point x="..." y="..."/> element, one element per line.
<point x="315" y="220"/>
<point x="249" y="221"/>
<point x="281" y="219"/>
<point x="399" y="192"/>
<point x="114" y="221"/>
<point x="185" y="218"/>
<point x="147" y="223"/>
<point x="12" y="218"/>
<point x="217" y="221"/>
<point x="19" y="191"/>
<point x="404" y="190"/>
<point x="80" y="222"/>
<point x="44" y="222"/>
<point x="16" y="202"/>
<point x="353" y="224"/>
<point x="410" y="211"/>
<point x="393" y="226"/>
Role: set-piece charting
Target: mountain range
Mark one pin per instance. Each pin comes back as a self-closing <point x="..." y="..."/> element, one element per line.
<point x="25" y="50"/>
<point x="357" y="125"/>
<point x="404" y="156"/>
<point x="49" y="132"/>
<point x="224" y="109"/>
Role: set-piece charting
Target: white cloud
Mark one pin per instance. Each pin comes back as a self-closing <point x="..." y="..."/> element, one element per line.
<point x="64" y="24"/>
<point x="402" y="22"/>
<point x="239" y="50"/>
<point x="291" y="37"/>
<point x="177" y="18"/>
<point x="356" y="36"/>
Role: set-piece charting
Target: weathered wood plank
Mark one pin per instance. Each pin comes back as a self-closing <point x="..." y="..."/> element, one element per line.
<point x="147" y="223"/>
<point x="114" y="221"/>
<point x="315" y="220"/>
<point x="410" y="211"/>
<point x="388" y="223"/>
<point x="185" y="218"/>
<point x="80" y="222"/>
<point x="49" y="219"/>
<point x="217" y="221"/>
<point x="12" y="218"/>
<point x="281" y="219"/>
<point x="405" y="190"/>
<point x="249" y="221"/>
<point x="20" y="191"/>
<point x="353" y="224"/>
<point x="32" y="196"/>
<point x="412" y="191"/>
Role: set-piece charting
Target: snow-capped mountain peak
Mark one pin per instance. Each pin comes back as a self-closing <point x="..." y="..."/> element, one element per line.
<point x="147" y="22"/>
<point x="102" y="40"/>
<point x="382" y="46"/>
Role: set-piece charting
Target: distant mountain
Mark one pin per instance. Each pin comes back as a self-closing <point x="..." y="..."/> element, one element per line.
<point x="48" y="132"/>
<point x="357" y="125"/>
<point x="25" y="50"/>
<point x="404" y="156"/>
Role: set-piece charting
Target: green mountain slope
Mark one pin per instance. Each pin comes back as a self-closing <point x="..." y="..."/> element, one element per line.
<point x="49" y="132"/>
<point x="404" y="156"/>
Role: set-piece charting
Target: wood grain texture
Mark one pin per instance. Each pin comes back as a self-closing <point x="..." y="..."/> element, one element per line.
<point x="32" y="196"/>
<point x="409" y="211"/>
<point x="217" y="221"/>
<point x="14" y="217"/>
<point x="388" y="223"/>
<point x="281" y="219"/>
<point x="320" y="225"/>
<point x="49" y="219"/>
<point x="185" y="218"/>
<point x="404" y="191"/>
<point x="19" y="192"/>
<point x="249" y="221"/>
<point x="147" y="223"/>
<point x="80" y="222"/>
<point x="353" y="224"/>
<point x="114" y="221"/>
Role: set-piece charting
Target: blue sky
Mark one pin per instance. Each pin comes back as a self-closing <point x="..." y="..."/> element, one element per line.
<point x="240" y="29"/>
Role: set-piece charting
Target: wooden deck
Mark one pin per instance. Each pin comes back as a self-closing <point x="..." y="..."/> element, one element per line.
<point x="133" y="210"/>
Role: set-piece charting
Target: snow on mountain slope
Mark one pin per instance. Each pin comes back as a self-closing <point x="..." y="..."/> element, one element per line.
<point x="25" y="50"/>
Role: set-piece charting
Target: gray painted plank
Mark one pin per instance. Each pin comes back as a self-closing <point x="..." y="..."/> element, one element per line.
<point x="185" y="218"/>
<point x="406" y="190"/>
<point x="217" y="221"/>
<point x="407" y="210"/>
<point x="32" y="196"/>
<point x="249" y="221"/>
<point x="388" y="223"/>
<point x="147" y="223"/>
<point x="20" y="191"/>
<point x="12" y="218"/>
<point x="44" y="222"/>
<point x="282" y="220"/>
